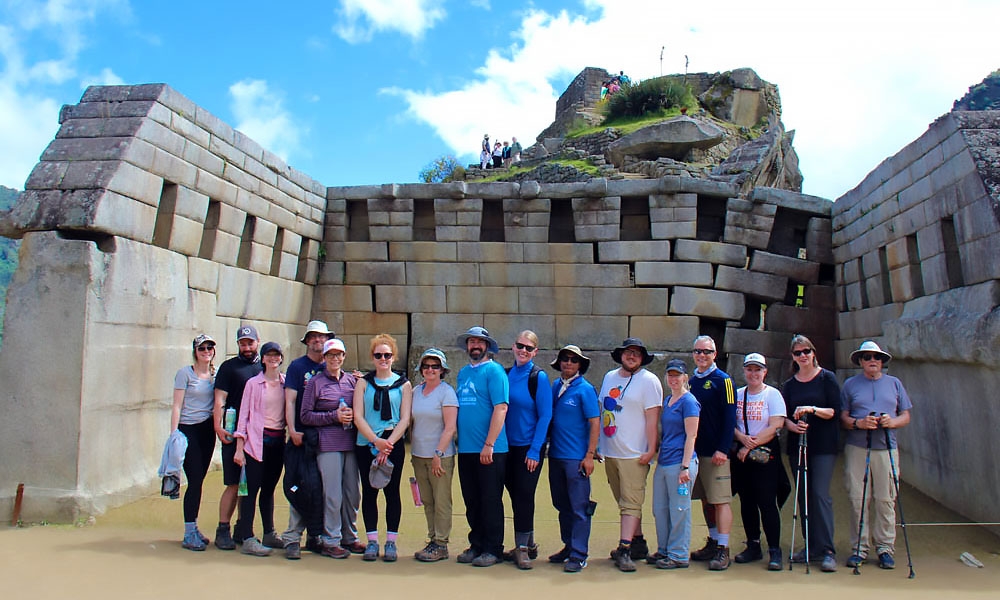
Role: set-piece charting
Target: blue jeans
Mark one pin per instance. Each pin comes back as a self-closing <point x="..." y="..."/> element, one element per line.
<point x="673" y="511"/>
<point x="571" y="495"/>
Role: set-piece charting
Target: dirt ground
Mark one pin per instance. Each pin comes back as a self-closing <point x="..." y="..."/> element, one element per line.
<point x="135" y="552"/>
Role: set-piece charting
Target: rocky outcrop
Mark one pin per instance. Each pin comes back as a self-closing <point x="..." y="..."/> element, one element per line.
<point x="669" y="139"/>
<point x="767" y="161"/>
<point x="741" y="97"/>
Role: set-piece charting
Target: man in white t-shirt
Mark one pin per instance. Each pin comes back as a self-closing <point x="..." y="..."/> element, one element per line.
<point x="631" y="398"/>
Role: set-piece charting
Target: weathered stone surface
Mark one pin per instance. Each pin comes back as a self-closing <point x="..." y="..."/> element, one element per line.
<point x="673" y="273"/>
<point x="590" y="332"/>
<point x="558" y="253"/>
<point x="435" y="273"/>
<point x="628" y="252"/>
<point x="710" y="252"/>
<point x="813" y="322"/>
<point x="441" y="329"/>
<point x="516" y="274"/>
<point x="707" y="303"/>
<point x="673" y="139"/>
<point x="761" y="285"/>
<point x="665" y="333"/>
<point x="375" y="273"/>
<point x="801" y="271"/>
<point x="867" y="323"/>
<point x="481" y="300"/>
<point x="630" y="301"/>
<point x="558" y="300"/>
<point x="405" y="298"/>
<point x="592" y="275"/>
<point x="504" y="329"/>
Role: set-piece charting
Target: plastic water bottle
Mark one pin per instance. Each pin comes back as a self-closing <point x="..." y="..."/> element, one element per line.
<point x="343" y="403"/>
<point x="229" y="421"/>
<point x="242" y="490"/>
<point x="415" y="489"/>
<point x="682" y="489"/>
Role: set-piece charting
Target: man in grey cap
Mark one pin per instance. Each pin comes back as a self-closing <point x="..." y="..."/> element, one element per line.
<point x="230" y="380"/>
<point x="482" y="446"/>
<point x="873" y="401"/>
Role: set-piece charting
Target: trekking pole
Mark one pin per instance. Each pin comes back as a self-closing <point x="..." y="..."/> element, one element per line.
<point x="795" y="510"/>
<point x="804" y="444"/>
<point x="799" y="468"/>
<point x="899" y="502"/>
<point x="864" y="497"/>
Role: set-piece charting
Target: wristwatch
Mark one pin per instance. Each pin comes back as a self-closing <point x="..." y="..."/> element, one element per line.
<point x="683" y="468"/>
<point x="438" y="453"/>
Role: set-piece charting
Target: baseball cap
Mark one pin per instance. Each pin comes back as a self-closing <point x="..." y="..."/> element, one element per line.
<point x="247" y="332"/>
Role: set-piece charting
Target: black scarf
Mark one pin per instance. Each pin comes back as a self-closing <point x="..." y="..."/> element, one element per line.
<point x="381" y="402"/>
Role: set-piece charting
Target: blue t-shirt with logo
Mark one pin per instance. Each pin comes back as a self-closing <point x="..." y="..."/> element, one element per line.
<point x="480" y="388"/>
<point x="570" y="433"/>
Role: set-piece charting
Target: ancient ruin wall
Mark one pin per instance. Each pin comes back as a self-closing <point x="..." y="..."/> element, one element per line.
<point x="917" y="246"/>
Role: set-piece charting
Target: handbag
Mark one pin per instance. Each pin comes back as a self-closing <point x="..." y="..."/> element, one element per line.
<point x="760" y="454"/>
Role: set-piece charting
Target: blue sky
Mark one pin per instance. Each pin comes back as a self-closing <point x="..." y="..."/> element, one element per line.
<point x="369" y="91"/>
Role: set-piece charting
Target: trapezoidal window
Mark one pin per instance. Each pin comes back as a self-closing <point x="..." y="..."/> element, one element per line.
<point x="246" y="243"/>
<point x="711" y="218"/>
<point x="561" y="227"/>
<point x="491" y="229"/>
<point x="424" y="225"/>
<point x="635" y="224"/>
<point x="164" y="225"/>
<point x="357" y="220"/>
<point x="209" y="233"/>
<point x="788" y="234"/>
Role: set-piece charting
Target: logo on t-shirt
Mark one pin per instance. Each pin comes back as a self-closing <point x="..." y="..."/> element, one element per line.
<point x="707" y="385"/>
<point x="611" y="406"/>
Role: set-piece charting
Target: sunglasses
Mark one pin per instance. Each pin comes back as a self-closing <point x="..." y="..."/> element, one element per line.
<point x="425" y="367"/>
<point x="570" y="358"/>
<point x="704" y="351"/>
<point x="806" y="351"/>
<point x="871" y="357"/>
<point x="205" y="348"/>
<point x="382" y="355"/>
<point x="524" y="347"/>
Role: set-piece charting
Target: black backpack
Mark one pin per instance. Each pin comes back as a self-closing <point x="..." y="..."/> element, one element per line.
<point x="532" y="379"/>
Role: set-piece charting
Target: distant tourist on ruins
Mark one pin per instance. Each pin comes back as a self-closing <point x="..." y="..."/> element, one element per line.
<point x="505" y="154"/>
<point x="482" y="446"/>
<point x="631" y="397"/>
<point x="527" y="424"/>
<point x="515" y="150"/>
<point x="260" y="450"/>
<point x="435" y="417"/>
<point x="623" y="78"/>
<point x="192" y="415"/>
<point x="484" y="159"/>
<point x="576" y="424"/>
<point x="497" y="156"/>
<point x="874" y="406"/>
<point x="486" y="143"/>
<point x="230" y="382"/>
<point x="382" y="405"/>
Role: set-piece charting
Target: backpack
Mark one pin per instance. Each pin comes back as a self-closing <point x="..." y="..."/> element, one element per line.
<point x="532" y="379"/>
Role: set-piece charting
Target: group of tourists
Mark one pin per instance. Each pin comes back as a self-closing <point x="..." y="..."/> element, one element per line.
<point x="341" y="436"/>
<point x="501" y="155"/>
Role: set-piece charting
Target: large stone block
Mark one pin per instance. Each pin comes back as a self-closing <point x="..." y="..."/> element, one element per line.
<point x="934" y="273"/>
<point x="481" y="300"/>
<point x="441" y="330"/>
<point x="485" y="252"/>
<point x="791" y="319"/>
<point x="184" y="235"/>
<point x="203" y="274"/>
<point x="760" y="285"/>
<point x="820" y="296"/>
<point x="629" y="252"/>
<point x="220" y="246"/>
<point x="907" y="283"/>
<point x="674" y="231"/>
<point x="745" y="341"/>
<point x="555" y="300"/>
<point x="403" y="299"/>
<point x="452" y="233"/>
<point x="377" y="273"/>
<point x="801" y="271"/>
<point x="118" y="215"/>
<point x="257" y="297"/>
<point x="665" y="333"/>
<point x="710" y="252"/>
<point x="439" y="273"/>
<point x="714" y="304"/>
<point x="592" y="275"/>
<point x="357" y="251"/>
<point x="504" y="329"/>
<point x="360" y="323"/>
<point x="590" y="332"/>
<point x="630" y="301"/>
<point x="747" y="237"/>
<point x="516" y="274"/>
<point x="335" y="298"/>
<point x="673" y="273"/>
<point x="867" y="323"/>
<point x="423" y="251"/>
<point x="558" y="253"/>
<point x="597" y="233"/>
<point x="331" y="273"/>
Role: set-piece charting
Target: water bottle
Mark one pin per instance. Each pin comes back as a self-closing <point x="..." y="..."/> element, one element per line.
<point x="343" y="403"/>
<point x="229" y="422"/>
<point x="415" y="489"/>
<point x="242" y="490"/>
<point x="682" y="489"/>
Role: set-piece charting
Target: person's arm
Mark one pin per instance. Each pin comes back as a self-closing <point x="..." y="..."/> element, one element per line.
<point x="543" y="408"/>
<point x="308" y="413"/>
<point x="496" y="426"/>
<point x="587" y="464"/>
<point x="219" y="415"/>
<point x="890" y="422"/>
<point x="846" y="420"/>
<point x="450" y="416"/>
<point x="293" y="433"/>
<point x="175" y="412"/>
<point x="652" y="439"/>
<point x="690" y="433"/>
<point x="768" y="433"/>
<point x="241" y="425"/>
<point x="721" y="454"/>
<point x="405" y="410"/>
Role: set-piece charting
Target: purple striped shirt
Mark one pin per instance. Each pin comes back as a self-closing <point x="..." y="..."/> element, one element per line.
<point x="319" y="409"/>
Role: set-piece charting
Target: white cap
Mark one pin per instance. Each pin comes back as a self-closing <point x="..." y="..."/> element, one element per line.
<point x="755" y="359"/>
<point x="332" y="345"/>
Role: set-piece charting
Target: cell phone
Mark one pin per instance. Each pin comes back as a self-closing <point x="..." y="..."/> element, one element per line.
<point x="591" y="508"/>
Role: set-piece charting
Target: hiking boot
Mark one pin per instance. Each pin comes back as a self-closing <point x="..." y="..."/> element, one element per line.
<point x="652" y="558"/>
<point x="468" y="555"/>
<point x="885" y="561"/>
<point x="223" y="539"/>
<point x="721" y="560"/>
<point x="314" y="545"/>
<point x="669" y="563"/>
<point x="389" y="554"/>
<point x="508" y="556"/>
<point x="639" y="549"/>
<point x="774" y="559"/>
<point x="193" y="542"/>
<point x="799" y="558"/>
<point x="485" y="560"/>
<point x="337" y="552"/>
<point x="856" y="560"/>
<point x="707" y="552"/>
<point x="521" y="558"/>
<point x="561" y="556"/>
<point x="293" y="551"/>
<point x="371" y="551"/>
<point x="253" y="547"/>
<point x="574" y="566"/>
<point x="433" y="552"/>
<point x="354" y="547"/>
<point x="623" y="559"/>
<point x="202" y="537"/>
<point x="750" y="554"/>
<point x="829" y="564"/>
<point x="273" y="540"/>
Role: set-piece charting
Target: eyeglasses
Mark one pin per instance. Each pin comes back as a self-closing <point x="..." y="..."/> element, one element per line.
<point x="334" y="355"/>
<point x="524" y="347"/>
<point x="205" y="348"/>
<point x="570" y="358"/>
<point x="871" y="357"/>
<point x="704" y="351"/>
<point x="425" y="367"/>
<point x="806" y="351"/>
<point x="382" y="355"/>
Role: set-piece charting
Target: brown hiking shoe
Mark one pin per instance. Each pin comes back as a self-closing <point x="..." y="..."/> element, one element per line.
<point x="433" y="552"/>
<point x="623" y="559"/>
<point x="721" y="560"/>
<point x="521" y="558"/>
<point x="707" y="552"/>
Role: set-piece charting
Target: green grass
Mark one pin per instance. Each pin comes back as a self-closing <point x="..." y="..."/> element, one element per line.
<point x="511" y="172"/>
<point x="579" y="165"/>
<point x="627" y="125"/>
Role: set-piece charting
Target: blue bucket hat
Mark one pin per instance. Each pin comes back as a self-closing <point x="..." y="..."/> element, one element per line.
<point x="478" y="332"/>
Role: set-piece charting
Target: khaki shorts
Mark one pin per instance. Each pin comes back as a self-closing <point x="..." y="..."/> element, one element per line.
<point x="714" y="484"/>
<point x="628" y="484"/>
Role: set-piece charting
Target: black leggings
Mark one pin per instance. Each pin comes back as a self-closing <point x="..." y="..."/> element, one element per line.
<point x="757" y="485"/>
<point x="262" y="478"/>
<point x="521" y="484"/>
<point x="201" y="446"/>
<point x="369" y="495"/>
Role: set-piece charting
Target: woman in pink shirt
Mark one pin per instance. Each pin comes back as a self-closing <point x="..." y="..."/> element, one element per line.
<point x="260" y="448"/>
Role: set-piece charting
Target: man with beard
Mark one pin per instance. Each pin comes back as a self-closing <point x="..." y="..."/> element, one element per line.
<point x="631" y="398"/>
<point x="714" y="390"/>
<point x="482" y="446"/>
<point x="230" y="380"/>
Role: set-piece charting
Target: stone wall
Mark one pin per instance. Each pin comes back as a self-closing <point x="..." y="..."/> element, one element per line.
<point x="147" y="221"/>
<point x="916" y="245"/>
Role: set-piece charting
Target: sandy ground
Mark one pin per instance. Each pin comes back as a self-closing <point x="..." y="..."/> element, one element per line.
<point x="135" y="552"/>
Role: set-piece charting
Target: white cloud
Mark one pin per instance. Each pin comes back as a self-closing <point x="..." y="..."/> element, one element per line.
<point x="261" y="115"/>
<point x="361" y="19"/>
<point x="27" y="124"/>
<point x="105" y="77"/>
<point x="859" y="80"/>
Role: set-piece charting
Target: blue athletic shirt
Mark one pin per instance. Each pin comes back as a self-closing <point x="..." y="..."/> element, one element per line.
<point x="480" y="388"/>
<point x="528" y="418"/>
<point x="570" y="415"/>
<point x="672" y="425"/>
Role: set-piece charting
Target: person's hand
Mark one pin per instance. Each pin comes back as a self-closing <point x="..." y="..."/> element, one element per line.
<point x="719" y="458"/>
<point x="383" y="446"/>
<point x="296" y="437"/>
<point x="797" y="427"/>
<point x="486" y="455"/>
<point x="240" y="458"/>
<point x="224" y="436"/>
<point x="742" y="454"/>
<point x="436" y="469"/>
<point x="647" y="457"/>
<point x="868" y="422"/>
<point x="381" y="457"/>
<point x="531" y="464"/>
<point x="885" y="421"/>
<point x="345" y="414"/>
<point x="587" y="466"/>
<point x="750" y="442"/>
<point x="804" y="410"/>
<point x="684" y="476"/>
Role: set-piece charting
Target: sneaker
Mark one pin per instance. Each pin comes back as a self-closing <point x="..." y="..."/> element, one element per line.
<point x="774" y="559"/>
<point x="272" y="540"/>
<point x="314" y="545"/>
<point x="223" y="539"/>
<point x="561" y="556"/>
<point x="669" y="563"/>
<point x="253" y="547"/>
<point x="750" y="554"/>
<point x="829" y="564"/>
<point x="623" y="559"/>
<point x="293" y="551"/>
<point x="574" y="566"/>
<point x="856" y="560"/>
<point x="721" y="560"/>
<point x="652" y="558"/>
<point x="707" y="552"/>
<point x="799" y="558"/>
<point x="202" y="537"/>
<point x="432" y="552"/>
<point x="337" y="552"/>
<point x="371" y="551"/>
<point x="354" y="547"/>
<point x="193" y="542"/>
<point x="389" y="554"/>
<point x="885" y="561"/>
<point x="485" y="560"/>
<point x="468" y="555"/>
<point x="521" y="558"/>
<point x="639" y="549"/>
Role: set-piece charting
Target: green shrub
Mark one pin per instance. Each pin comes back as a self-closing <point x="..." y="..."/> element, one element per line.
<point x="440" y="169"/>
<point x="647" y="97"/>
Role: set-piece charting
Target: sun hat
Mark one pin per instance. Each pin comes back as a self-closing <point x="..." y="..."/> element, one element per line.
<point x="380" y="474"/>
<point x="478" y="332"/>
<point x="868" y="346"/>
<point x="755" y="358"/>
<point x="334" y="344"/>
<point x="317" y="327"/>
<point x="434" y="353"/>
<point x="677" y="365"/>
<point x="584" y="361"/>
<point x="616" y="354"/>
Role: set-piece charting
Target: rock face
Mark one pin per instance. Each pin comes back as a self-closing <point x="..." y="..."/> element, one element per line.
<point x="670" y="139"/>
<point x="741" y="97"/>
<point x="768" y="160"/>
